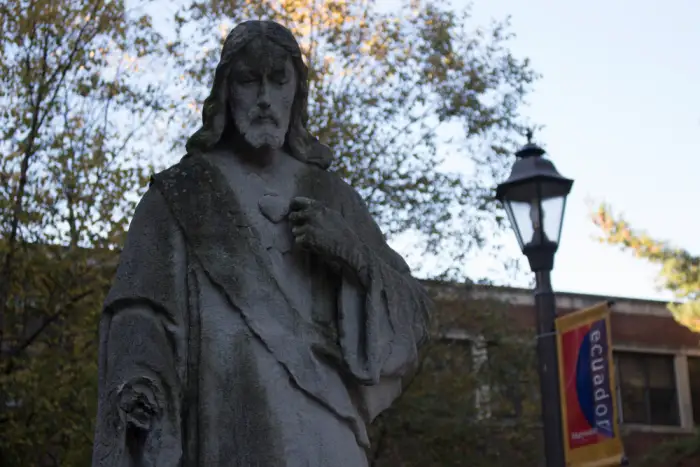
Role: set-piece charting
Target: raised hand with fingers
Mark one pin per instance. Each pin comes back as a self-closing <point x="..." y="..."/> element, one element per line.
<point x="321" y="230"/>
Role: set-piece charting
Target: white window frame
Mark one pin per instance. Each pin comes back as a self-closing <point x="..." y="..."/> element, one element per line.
<point x="685" y="406"/>
<point x="480" y="357"/>
<point x="479" y="352"/>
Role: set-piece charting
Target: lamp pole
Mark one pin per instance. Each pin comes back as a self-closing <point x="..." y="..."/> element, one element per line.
<point x="534" y="197"/>
<point x="548" y="369"/>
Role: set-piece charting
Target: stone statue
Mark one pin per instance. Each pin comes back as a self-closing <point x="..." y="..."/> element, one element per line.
<point x="258" y="317"/>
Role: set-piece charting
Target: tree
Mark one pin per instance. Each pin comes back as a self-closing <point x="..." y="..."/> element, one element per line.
<point x="678" y="451"/>
<point x="680" y="269"/>
<point x="473" y="402"/>
<point x="77" y="114"/>
<point x="72" y="108"/>
<point x="385" y="89"/>
<point x="680" y="273"/>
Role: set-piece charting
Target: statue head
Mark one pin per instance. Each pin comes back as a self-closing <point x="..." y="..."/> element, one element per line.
<point x="260" y="94"/>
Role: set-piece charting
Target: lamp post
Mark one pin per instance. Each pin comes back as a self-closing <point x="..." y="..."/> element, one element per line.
<point x="534" y="197"/>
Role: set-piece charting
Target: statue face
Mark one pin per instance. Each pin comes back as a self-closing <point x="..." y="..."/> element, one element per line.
<point x="262" y="89"/>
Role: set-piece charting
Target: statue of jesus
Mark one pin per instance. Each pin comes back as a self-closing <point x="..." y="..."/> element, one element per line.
<point x="257" y="318"/>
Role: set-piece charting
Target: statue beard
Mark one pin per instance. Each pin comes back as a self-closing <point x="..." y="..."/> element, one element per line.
<point x="260" y="129"/>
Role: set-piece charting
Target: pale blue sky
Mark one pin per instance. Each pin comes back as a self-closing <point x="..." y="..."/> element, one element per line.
<point x="620" y="102"/>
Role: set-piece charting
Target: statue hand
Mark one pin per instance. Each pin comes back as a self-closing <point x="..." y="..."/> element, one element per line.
<point x="137" y="400"/>
<point x="322" y="230"/>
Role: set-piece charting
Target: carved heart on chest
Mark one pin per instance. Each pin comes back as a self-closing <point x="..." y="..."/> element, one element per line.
<point x="273" y="207"/>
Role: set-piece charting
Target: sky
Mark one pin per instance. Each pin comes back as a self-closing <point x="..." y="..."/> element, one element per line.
<point x="619" y="100"/>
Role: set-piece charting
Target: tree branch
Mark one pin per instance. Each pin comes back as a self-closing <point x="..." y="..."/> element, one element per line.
<point x="46" y="322"/>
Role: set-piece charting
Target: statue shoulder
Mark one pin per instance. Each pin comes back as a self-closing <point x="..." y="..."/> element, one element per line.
<point x="328" y="186"/>
<point x="191" y="176"/>
<point x="351" y="198"/>
<point x="152" y="206"/>
<point x="175" y="174"/>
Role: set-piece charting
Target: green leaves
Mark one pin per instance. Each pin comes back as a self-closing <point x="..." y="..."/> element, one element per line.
<point x="74" y="107"/>
<point x="387" y="92"/>
<point x="474" y="400"/>
<point x="89" y="88"/>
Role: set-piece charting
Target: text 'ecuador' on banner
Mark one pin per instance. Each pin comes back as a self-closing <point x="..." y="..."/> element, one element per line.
<point x="587" y="387"/>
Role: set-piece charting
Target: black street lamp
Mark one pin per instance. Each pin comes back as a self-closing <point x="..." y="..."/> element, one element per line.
<point x="534" y="197"/>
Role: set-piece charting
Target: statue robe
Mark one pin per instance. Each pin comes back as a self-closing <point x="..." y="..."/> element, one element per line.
<point x="206" y="361"/>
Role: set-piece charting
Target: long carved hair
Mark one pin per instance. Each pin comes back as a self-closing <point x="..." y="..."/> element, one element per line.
<point x="216" y="118"/>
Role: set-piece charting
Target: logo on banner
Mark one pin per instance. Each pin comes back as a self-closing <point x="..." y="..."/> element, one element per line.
<point x="589" y="402"/>
<point x="593" y="388"/>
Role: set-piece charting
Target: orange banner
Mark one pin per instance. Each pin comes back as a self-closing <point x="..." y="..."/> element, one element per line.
<point x="587" y="388"/>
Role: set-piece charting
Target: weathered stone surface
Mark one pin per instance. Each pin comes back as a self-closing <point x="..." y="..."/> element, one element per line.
<point x="258" y="317"/>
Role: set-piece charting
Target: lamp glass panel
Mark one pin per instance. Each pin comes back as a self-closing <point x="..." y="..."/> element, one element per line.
<point x="513" y="223"/>
<point x="552" y="216"/>
<point x="536" y="209"/>
<point x="521" y="216"/>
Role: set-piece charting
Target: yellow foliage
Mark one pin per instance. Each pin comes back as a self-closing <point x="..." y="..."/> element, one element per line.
<point x="680" y="270"/>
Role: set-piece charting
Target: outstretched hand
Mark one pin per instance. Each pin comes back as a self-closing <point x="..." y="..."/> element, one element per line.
<point x="317" y="228"/>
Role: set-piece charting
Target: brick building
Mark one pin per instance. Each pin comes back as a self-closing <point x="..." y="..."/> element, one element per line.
<point x="657" y="360"/>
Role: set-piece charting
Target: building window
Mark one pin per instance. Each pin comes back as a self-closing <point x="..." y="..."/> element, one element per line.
<point x="694" y="378"/>
<point x="647" y="389"/>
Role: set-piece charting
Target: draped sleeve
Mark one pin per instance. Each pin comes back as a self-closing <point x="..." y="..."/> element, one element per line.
<point x="383" y="313"/>
<point x="142" y="354"/>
